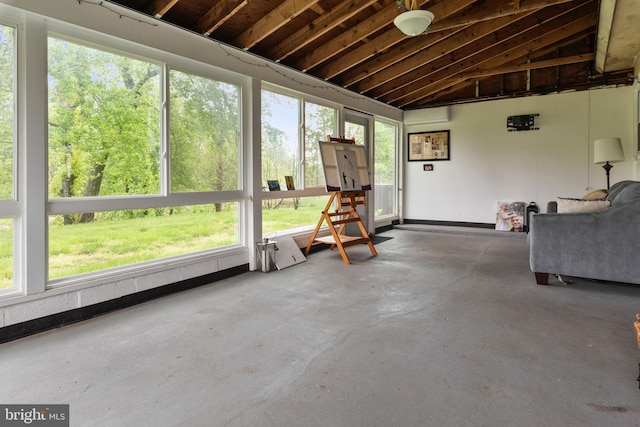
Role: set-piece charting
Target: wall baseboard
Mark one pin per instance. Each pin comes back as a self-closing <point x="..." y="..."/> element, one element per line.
<point x="31" y="327"/>
<point x="387" y="227"/>
<point x="449" y="223"/>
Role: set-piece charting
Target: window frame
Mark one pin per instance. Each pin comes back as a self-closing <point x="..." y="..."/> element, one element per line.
<point x="11" y="208"/>
<point x="166" y="61"/>
<point x="304" y="99"/>
<point x="388" y="218"/>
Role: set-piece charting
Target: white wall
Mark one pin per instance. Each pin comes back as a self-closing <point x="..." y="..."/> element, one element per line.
<point x="488" y="163"/>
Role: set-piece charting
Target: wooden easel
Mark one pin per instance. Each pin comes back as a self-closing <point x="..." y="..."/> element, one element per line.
<point x="346" y="213"/>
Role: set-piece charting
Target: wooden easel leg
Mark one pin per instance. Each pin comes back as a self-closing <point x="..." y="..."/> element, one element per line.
<point x="338" y="243"/>
<point x="322" y="219"/>
<point x="364" y="233"/>
<point x="344" y="255"/>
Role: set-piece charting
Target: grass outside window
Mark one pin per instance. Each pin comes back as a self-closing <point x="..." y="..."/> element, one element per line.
<point x="285" y="215"/>
<point x="115" y="240"/>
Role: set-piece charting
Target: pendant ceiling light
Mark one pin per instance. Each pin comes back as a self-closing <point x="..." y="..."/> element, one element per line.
<point x="413" y="21"/>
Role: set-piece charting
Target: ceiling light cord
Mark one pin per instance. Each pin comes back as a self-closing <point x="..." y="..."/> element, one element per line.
<point x="120" y="15"/>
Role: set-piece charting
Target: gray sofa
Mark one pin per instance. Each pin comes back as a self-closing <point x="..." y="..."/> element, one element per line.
<point x="603" y="245"/>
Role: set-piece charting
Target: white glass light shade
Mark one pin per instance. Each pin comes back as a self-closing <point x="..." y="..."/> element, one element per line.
<point x="413" y="22"/>
<point x="607" y="150"/>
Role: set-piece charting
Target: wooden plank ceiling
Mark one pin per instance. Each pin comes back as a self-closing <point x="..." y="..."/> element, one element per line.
<point x="474" y="50"/>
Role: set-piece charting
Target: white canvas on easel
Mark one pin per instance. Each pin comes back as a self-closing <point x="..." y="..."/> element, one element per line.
<point x="348" y="170"/>
<point x="288" y="252"/>
<point x="330" y="152"/>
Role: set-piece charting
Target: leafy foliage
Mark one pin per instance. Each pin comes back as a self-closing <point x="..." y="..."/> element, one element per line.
<point x="103" y="123"/>
<point x="7" y="57"/>
<point x="320" y="121"/>
<point x="204" y="134"/>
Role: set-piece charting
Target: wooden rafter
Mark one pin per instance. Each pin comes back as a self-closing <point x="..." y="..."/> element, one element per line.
<point x="470" y="54"/>
<point x="319" y="27"/>
<point x="384" y="41"/>
<point x="441" y="28"/>
<point x="354" y="44"/>
<point x="497" y="55"/>
<point x="218" y="15"/>
<point x="158" y="8"/>
<point x="534" y="65"/>
<point x="273" y="21"/>
<point x="442" y="49"/>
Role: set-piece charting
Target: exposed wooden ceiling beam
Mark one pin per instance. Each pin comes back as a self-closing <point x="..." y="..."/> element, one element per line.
<point x="547" y="33"/>
<point x="443" y="49"/>
<point x="491" y="9"/>
<point x="384" y="41"/>
<point x="368" y="69"/>
<point x="272" y="21"/>
<point x="349" y="37"/>
<point x="319" y="27"/>
<point x="158" y="8"/>
<point x="473" y="53"/>
<point x="457" y="50"/>
<point x="535" y="65"/>
<point x="218" y="15"/>
<point x="621" y="77"/>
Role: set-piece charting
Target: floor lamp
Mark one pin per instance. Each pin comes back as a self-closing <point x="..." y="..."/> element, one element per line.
<point x="607" y="150"/>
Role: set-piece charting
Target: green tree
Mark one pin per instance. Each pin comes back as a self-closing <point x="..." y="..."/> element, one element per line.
<point x="103" y="124"/>
<point x="384" y="153"/>
<point x="7" y="58"/>
<point x="204" y="134"/>
<point x="320" y="121"/>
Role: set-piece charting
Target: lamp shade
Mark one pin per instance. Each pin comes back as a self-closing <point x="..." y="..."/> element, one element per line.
<point x="413" y="22"/>
<point x="607" y="150"/>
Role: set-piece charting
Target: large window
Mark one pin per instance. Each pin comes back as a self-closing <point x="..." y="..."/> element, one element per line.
<point x="291" y="129"/>
<point x="7" y="111"/>
<point x="205" y="136"/>
<point x="106" y="155"/>
<point x="104" y="123"/>
<point x="385" y="167"/>
<point x="280" y="138"/>
<point x="319" y="121"/>
<point x="283" y="151"/>
<point x="7" y="152"/>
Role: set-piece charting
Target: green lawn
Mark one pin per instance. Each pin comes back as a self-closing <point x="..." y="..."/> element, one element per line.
<point x="83" y="248"/>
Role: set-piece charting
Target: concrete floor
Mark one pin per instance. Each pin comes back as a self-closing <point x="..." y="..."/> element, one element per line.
<point x="440" y="329"/>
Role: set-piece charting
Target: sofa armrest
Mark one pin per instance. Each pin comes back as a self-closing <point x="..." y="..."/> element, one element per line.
<point x="599" y="245"/>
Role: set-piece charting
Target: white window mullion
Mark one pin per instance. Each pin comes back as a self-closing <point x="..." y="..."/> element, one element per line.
<point x="165" y="146"/>
<point x="32" y="156"/>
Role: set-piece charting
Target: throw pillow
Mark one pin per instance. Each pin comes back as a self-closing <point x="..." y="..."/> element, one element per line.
<point x="596" y="195"/>
<point x="566" y="205"/>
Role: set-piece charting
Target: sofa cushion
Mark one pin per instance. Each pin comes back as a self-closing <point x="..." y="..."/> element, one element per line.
<point x="629" y="194"/>
<point x="617" y="188"/>
<point x="567" y="205"/>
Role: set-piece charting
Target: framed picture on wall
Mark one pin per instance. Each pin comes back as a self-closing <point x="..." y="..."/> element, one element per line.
<point x="429" y="146"/>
